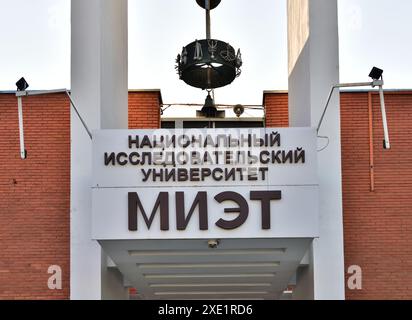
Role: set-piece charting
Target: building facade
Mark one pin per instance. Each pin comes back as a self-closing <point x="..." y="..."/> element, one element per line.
<point x="327" y="217"/>
<point x="35" y="193"/>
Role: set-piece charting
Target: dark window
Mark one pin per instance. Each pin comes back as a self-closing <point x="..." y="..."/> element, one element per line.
<point x="197" y="124"/>
<point x="217" y="124"/>
<point x="168" y="124"/>
<point x="238" y="124"/>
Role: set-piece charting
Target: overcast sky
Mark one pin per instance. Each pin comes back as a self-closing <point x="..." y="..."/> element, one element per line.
<point x="35" y="43"/>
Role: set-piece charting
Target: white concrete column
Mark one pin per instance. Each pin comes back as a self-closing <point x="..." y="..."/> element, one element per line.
<point x="99" y="88"/>
<point x="313" y="69"/>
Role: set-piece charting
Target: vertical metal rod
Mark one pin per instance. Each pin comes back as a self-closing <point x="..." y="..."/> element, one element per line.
<point x="371" y="141"/>
<point x="208" y="37"/>
<point x="208" y="32"/>
<point x="386" y="142"/>
<point x="21" y="128"/>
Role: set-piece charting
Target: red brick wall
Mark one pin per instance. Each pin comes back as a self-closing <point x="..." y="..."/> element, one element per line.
<point x="35" y="204"/>
<point x="35" y="193"/>
<point x="34" y="197"/>
<point x="378" y="224"/>
<point x="144" y="109"/>
<point x="277" y="110"/>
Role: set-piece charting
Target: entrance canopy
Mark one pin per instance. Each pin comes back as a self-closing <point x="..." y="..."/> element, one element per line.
<point x="245" y="269"/>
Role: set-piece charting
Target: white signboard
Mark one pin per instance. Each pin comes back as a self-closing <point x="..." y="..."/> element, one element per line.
<point x="181" y="184"/>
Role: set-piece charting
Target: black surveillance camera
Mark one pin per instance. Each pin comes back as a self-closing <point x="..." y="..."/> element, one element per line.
<point x="22" y="85"/>
<point x="213" y="244"/>
<point x="376" y="73"/>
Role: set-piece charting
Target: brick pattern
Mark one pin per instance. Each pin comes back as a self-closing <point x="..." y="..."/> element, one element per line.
<point x="277" y="110"/>
<point x="144" y="109"/>
<point x="35" y="193"/>
<point x="34" y="197"/>
<point x="378" y="224"/>
<point x="35" y="204"/>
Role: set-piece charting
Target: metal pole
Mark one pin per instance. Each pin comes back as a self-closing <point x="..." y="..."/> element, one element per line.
<point x="38" y="93"/>
<point x="20" y="94"/>
<point x="379" y="83"/>
<point x="208" y="32"/>
<point x="326" y="108"/>
<point x="78" y="115"/>
<point x="354" y="84"/>
<point x="21" y="129"/>
<point x="341" y="85"/>
<point x="208" y="37"/>
<point x="386" y="142"/>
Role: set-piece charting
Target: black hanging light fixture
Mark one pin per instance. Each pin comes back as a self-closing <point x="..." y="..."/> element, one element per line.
<point x="213" y="3"/>
<point x="209" y="63"/>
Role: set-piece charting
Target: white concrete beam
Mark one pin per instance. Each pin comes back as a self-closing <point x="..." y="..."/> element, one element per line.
<point x="99" y="87"/>
<point x="313" y="69"/>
